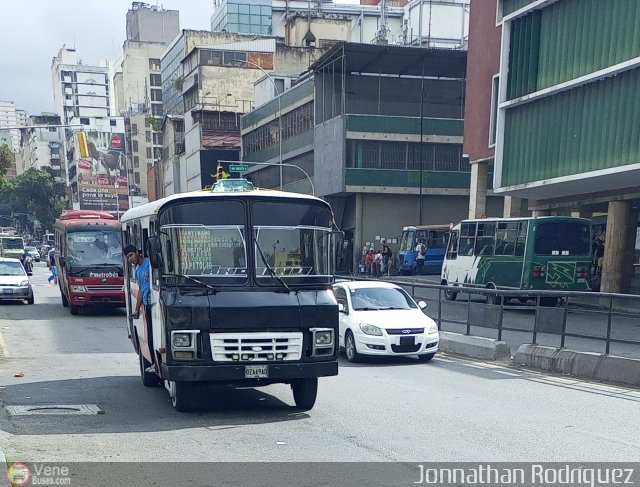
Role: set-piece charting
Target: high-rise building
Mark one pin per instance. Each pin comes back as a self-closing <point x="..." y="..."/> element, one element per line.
<point x="42" y="144"/>
<point x="79" y="90"/>
<point x="9" y="118"/>
<point x="137" y="88"/>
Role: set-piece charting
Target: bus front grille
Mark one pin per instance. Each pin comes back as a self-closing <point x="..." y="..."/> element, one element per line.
<point x="256" y="347"/>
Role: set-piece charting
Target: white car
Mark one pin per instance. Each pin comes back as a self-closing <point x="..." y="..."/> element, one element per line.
<point x="380" y="318"/>
<point x="14" y="282"/>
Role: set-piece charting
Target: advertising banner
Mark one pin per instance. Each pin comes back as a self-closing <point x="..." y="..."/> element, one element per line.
<point x="102" y="177"/>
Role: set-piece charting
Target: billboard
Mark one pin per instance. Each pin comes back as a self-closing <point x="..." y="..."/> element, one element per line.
<point x="102" y="176"/>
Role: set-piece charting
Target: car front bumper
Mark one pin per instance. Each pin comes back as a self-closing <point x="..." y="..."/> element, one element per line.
<point x="12" y="293"/>
<point x="391" y="344"/>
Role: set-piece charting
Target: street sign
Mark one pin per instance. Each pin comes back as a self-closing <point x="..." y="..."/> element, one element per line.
<point x="239" y="167"/>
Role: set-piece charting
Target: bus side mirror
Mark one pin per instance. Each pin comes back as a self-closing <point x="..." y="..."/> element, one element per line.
<point x="154" y="252"/>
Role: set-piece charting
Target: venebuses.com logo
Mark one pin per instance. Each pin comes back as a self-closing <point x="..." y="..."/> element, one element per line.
<point x="18" y="474"/>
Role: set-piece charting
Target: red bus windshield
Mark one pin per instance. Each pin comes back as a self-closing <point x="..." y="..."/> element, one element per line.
<point x="94" y="246"/>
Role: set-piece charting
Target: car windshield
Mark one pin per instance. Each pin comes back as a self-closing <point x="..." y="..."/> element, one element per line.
<point x="94" y="247"/>
<point x="11" y="269"/>
<point x="13" y="243"/>
<point x="380" y="298"/>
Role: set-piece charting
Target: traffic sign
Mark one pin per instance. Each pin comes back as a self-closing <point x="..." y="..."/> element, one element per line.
<point x="239" y="167"/>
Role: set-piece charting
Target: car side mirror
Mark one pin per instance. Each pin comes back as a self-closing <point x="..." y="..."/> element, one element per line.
<point x="154" y="252"/>
<point x="342" y="308"/>
<point x="422" y="304"/>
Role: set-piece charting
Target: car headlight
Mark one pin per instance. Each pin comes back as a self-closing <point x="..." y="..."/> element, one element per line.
<point x="181" y="340"/>
<point x="370" y="329"/>
<point x="78" y="289"/>
<point x="324" y="338"/>
<point x="433" y="329"/>
<point x="24" y="283"/>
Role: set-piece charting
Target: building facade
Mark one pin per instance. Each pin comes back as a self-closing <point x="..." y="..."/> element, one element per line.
<point x="567" y="117"/>
<point x="9" y="118"/>
<point x="385" y="149"/>
<point x="138" y="89"/>
<point x="42" y="144"/>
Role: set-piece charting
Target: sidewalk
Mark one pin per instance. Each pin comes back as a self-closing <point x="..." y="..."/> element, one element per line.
<point x="628" y="305"/>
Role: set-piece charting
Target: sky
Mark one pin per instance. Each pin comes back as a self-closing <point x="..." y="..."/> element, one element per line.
<point x="33" y="32"/>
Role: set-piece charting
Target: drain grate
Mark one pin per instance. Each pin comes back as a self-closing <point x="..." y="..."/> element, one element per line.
<point x="65" y="409"/>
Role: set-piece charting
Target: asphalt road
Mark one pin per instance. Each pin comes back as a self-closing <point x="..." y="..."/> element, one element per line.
<point x="581" y="321"/>
<point x="384" y="410"/>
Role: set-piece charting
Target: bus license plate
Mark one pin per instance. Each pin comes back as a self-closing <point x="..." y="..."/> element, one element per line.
<point x="256" y="371"/>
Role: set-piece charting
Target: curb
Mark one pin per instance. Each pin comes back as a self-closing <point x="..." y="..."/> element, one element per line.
<point x="588" y="365"/>
<point x="473" y="346"/>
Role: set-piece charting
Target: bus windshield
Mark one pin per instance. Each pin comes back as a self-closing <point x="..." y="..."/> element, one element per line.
<point x="12" y="243"/>
<point x="94" y="247"/>
<point x="293" y="238"/>
<point x="563" y="238"/>
<point x="407" y="241"/>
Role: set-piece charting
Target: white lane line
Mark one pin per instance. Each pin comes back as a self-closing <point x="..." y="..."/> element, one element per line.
<point x="3" y="347"/>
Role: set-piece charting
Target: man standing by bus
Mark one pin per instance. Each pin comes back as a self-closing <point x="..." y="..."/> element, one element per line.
<point x="142" y="269"/>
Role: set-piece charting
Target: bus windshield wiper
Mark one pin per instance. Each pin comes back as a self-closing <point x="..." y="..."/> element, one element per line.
<point x="270" y="269"/>
<point x="197" y="281"/>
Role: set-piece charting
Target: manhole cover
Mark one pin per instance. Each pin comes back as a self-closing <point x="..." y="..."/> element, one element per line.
<point x="66" y="409"/>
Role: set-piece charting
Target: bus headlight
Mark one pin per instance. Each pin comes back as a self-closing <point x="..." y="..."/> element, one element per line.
<point x="322" y="341"/>
<point x="183" y="344"/>
<point x="78" y="289"/>
<point x="181" y="340"/>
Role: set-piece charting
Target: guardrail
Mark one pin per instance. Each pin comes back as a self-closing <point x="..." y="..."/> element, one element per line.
<point x="585" y="317"/>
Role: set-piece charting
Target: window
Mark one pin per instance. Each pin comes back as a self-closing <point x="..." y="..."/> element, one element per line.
<point x="136" y="177"/>
<point x="563" y="238"/>
<point x="156" y="109"/>
<point x="493" y="121"/>
<point x="506" y="237"/>
<point x="234" y="58"/>
<point x="112" y="123"/>
<point x="154" y="64"/>
<point x="84" y="121"/>
<point x="467" y="238"/>
<point x="53" y="129"/>
<point x="135" y="146"/>
<point x="136" y="161"/>
<point x="156" y="79"/>
<point x="149" y="154"/>
<point x="134" y="129"/>
<point x="521" y="242"/>
<point x="341" y="296"/>
<point x="156" y="95"/>
<point x="452" y="252"/>
<point x="209" y="57"/>
<point x="486" y="240"/>
<point x="157" y="138"/>
<point x="157" y="153"/>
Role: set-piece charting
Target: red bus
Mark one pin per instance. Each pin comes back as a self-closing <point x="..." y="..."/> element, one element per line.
<point x="89" y="260"/>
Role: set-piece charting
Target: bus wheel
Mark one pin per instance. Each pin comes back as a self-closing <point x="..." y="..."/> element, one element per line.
<point x="181" y="393"/>
<point x="65" y="301"/>
<point x="493" y="298"/>
<point x="74" y="310"/>
<point x="450" y="294"/>
<point x="549" y="302"/>
<point x="305" y="392"/>
<point x="149" y="379"/>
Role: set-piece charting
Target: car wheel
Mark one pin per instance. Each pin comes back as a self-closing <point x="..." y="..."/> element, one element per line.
<point x="30" y="300"/>
<point x="149" y="379"/>
<point x="450" y="294"/>
<point x="426" y="357"/>
<point x="74" y="310"/>
<point x="305" y="392"/>
<point x="181" y="396"/>
<point x="350" y="350"/>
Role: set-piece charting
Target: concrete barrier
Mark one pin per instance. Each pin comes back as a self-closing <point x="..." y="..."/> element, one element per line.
<point x="588" y="365"/>
<point x="474" y="347"/>
<point x="619" y="369"/>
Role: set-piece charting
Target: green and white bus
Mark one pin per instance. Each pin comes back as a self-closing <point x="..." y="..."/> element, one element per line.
<point x="545" y="253"/>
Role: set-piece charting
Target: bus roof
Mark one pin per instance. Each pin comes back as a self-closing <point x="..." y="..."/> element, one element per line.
<point x="427" y="227"/>
<point x="516" y="219"/>
<point x="153" y="207"/>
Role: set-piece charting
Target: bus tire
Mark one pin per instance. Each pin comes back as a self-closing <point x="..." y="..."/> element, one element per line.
<point x="305" y="392"/>
<point x="493" y="298"/>
<point x="65" y="301"/>
<point x="74" y="310"/>
<point x="549" y="302"/>
<point x="450" y="294"/>
<point x="149" y="379"/>
<point x="182" y="396"/>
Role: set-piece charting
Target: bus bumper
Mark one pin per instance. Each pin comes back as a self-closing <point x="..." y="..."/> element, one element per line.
<point x="277" y="372"/>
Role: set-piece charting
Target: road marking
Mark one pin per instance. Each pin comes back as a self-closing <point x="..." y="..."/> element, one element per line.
<point x="3" y="347"/>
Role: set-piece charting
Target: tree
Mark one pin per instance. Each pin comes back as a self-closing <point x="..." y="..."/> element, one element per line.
<point x="6" y="158"/>
<point x="35" y="192"/>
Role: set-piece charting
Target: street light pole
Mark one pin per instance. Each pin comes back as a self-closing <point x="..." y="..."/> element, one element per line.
<point x="275" y="87"/>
